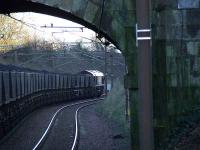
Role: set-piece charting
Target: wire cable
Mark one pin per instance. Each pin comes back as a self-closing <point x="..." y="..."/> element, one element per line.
<point x="27" y="24"/>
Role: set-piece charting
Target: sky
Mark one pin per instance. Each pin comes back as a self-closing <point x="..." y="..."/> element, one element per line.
<point x="39" y="20"/>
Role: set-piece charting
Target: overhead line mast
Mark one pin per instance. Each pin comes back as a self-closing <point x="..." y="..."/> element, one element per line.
<point x="63" y="27"/>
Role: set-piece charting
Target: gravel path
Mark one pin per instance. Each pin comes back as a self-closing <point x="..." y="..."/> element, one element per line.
<point x="98" y="134"/>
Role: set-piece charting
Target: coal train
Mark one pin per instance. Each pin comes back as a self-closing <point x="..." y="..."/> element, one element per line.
<point x="22" y="92"/>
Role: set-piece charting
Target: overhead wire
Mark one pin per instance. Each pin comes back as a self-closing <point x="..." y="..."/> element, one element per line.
<point x="35" y="26"/>
<point x="92" y="40"/>
<point x="83" y="37"/>
<point x="25" y="23"/>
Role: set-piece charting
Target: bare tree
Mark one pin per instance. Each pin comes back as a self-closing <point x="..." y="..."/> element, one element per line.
<point x="12" y="32"/>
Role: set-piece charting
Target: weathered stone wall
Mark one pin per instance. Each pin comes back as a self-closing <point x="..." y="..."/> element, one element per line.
<point x="176" y="68"/>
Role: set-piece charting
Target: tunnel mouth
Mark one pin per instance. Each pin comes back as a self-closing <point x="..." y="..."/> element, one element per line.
<point x="16" y="6"/>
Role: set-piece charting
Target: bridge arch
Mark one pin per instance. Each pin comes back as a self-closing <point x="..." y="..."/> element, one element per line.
<point x="113" y="19"/>
<point x="102" y="17"/>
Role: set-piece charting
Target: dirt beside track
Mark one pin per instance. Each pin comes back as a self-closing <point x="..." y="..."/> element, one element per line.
<point x="98" y="133"/>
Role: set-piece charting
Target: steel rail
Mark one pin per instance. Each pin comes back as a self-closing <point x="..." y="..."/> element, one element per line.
<point x="42" y="139"/>
<point x="77" y="126"/>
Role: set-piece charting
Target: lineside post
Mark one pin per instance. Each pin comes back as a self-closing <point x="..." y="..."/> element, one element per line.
<point x="111" y="70"/>
<point x="106" y="63"/>
<point x="145" y="103"/>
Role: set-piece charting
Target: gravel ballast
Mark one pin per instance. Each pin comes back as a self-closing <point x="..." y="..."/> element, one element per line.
<point x="99" y="133"/>
<point x="28" y="132"/>
<point x="96" y="132"/>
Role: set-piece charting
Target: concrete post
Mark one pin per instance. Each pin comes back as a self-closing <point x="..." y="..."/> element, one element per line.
<point x="105" y="71"/>
<point x="111" y="70"/>
<point x="145" y="104"/>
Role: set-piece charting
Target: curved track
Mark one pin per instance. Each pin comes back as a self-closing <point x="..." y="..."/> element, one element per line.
<point x="75" y="143"/>
<point x="46" y="134"/>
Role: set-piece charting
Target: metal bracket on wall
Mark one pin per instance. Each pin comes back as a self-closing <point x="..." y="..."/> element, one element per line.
<point x="142" y="37"/>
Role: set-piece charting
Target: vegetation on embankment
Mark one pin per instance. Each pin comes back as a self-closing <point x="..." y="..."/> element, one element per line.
<point x="113" y="107"/>
<point x="112" y="110"/>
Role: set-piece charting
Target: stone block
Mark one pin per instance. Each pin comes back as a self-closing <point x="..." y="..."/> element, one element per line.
<point x="91" y="12"/>
<point x="174" y="80"/>
<point x="192" y="48"/>
<point x="171" y="65"/>
<point x="170" y="52"/>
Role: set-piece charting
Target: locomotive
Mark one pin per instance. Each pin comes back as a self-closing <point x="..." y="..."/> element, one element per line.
<point x="22" y="92"/>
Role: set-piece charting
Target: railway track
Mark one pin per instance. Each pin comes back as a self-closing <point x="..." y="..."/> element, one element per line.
<point x="44" y="143"/>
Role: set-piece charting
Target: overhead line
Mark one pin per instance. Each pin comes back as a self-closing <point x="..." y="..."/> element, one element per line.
<point x="31" y="26"/>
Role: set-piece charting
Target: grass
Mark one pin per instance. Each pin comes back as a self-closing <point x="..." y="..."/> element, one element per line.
<point x="113" y="107"/>
<point x="113" y="111"/>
